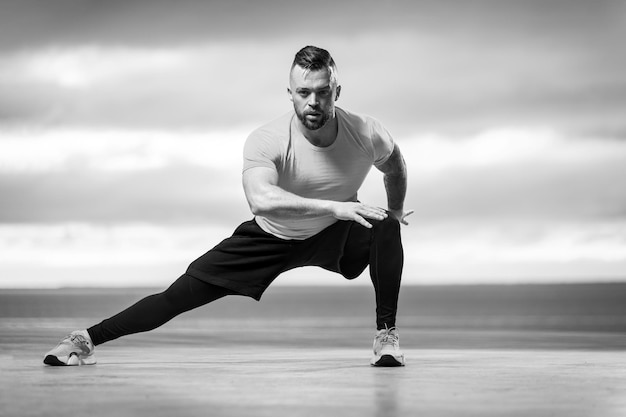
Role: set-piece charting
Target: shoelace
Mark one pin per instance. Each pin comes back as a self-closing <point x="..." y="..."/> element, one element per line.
<point x="79" y="341"/>
<point x="389" y="338"/>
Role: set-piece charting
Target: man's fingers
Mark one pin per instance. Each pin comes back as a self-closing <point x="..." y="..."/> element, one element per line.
<point x="362" y="221"/>
<point x="370" y="212"/>
<point x="359" y="212"/>
<point x="407" y="214"/>
<point x="373" y="212"/>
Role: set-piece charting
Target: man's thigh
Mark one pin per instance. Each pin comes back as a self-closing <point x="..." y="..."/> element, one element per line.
<point x="247" y="262"/>
<point x="356" y="251"/>
<point x="342" y="247"/>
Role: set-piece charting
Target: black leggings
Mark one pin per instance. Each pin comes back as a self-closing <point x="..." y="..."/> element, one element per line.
<point x="185" y="294"/>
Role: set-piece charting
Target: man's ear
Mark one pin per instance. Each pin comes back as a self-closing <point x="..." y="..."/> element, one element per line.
<point x="337" y="93"/>
<point x="289" y="94"/>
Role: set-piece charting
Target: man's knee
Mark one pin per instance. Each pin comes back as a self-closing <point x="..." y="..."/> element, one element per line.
<point x="388" y="226"/>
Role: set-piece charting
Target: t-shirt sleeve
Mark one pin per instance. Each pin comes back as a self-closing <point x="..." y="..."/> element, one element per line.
<point x="382" y="142"/>
<point x="260" y="150"/>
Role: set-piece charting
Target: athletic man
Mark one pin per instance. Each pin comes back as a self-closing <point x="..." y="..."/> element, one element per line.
<point x="301" y="175"/>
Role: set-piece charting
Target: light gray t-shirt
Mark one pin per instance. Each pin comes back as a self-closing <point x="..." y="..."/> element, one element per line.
<point x="334" y="173"/>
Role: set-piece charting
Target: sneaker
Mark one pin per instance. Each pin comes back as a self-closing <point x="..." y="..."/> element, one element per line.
<point x="75" y="349"/>
<point x="387" y="348"/>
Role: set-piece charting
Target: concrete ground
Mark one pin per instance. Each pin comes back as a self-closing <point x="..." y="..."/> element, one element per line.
<point x="180" y="370"/>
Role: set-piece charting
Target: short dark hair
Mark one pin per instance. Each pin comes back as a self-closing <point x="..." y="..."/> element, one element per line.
<point x="313" y="58"/>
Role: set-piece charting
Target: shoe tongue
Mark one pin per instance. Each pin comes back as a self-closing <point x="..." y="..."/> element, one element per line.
<point x="390" y="330"/>
<point x="83" y="333"/>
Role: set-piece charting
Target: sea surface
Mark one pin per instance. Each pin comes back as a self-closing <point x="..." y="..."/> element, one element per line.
<point x="559" y="316"/>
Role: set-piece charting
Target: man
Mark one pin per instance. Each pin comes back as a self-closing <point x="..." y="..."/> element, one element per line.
<point x="301" y="175"/>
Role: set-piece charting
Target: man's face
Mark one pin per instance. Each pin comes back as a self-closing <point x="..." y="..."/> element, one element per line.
<point x="313" y="94"/>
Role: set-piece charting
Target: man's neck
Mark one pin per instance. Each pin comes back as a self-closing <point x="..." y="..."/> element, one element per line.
<point x="322" y="137"/>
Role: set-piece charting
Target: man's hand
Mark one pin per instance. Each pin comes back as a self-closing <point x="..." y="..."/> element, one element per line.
<point x="401" y="215"/>
<point x="358" y="212"/>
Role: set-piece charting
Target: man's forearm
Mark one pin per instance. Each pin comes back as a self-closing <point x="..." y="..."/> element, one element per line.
<point x="395" y="186"/>
<point x="395" y="179"/>
<point x="278" y="203"/>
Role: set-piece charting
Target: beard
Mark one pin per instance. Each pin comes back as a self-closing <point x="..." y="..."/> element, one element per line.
<point x="314" y="124"/>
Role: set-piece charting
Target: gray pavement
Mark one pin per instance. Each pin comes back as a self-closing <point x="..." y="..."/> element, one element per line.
<point x="181" y="371"/>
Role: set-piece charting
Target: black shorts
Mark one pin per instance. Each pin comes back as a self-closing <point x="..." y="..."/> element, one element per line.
<point x="249" y="260"/>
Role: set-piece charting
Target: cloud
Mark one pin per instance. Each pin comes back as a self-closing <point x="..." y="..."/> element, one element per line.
<point x="419" y="68"/>
<point x="151" y="254"/>
<point x="87" y="254"/>
<point x="521" y="242"/>
<point x="186" y="87"/>
<point x="511" y="174"/>
<point x="149" y="23"/>
<point x="87" y="244"/>
<point x="213" y="85"/>
<point x="69" y="175"/>
<point x="43" y="150"/>
<point x="510" y="146"/>
<point x="170" y="195"/>
<point x="461" y="252"/>
<point x="85" y="66"/>
<point x="143" y="253"/>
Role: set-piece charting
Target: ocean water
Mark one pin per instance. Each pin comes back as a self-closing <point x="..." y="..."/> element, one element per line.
<point x="567" y="316"/>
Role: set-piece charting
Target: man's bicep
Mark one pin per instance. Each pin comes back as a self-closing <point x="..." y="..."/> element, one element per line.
<point x="254" y="179"/>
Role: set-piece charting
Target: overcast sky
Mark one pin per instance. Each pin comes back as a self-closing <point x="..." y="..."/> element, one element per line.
<point x="122" y="125"/>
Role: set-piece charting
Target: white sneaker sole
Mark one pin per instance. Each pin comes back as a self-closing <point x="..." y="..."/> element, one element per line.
<point x="73" y="360"/>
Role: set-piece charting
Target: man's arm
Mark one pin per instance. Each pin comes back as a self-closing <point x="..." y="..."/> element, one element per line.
<point x="267" y="199"/>
<point x="395" y="178"/>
